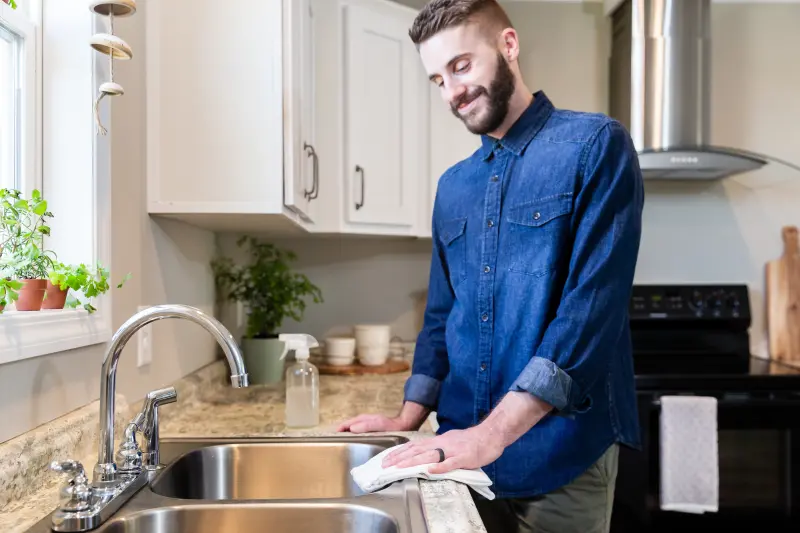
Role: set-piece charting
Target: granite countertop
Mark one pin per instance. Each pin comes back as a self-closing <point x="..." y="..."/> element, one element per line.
<point x="208" y="406"/>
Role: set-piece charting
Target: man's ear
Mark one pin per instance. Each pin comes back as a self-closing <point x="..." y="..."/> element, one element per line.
<point x="509" y="44"/>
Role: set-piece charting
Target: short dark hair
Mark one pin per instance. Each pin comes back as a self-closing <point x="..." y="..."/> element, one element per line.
<point x="439" y="15"/>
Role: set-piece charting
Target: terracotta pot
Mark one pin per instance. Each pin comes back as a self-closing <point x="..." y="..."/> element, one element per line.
<point x="31" y="294"/>
<point x="54" y="298"/>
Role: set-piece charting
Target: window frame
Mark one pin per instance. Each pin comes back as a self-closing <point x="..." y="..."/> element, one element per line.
<point x="25" y="335"/>
<point x="25" y="27"/>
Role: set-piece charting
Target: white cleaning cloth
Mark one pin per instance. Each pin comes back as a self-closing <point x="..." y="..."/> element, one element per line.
<point x="371" y="476"/>
<point x="689" y="454"/>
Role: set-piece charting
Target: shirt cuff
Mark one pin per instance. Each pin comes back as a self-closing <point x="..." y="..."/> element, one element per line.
<point x="545" y="380"/>
<point x="423" y="390"/>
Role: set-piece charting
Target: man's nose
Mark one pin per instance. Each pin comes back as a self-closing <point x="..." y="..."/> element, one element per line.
<point x="453" y="92"/>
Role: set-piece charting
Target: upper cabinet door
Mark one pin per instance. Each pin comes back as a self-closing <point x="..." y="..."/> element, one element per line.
<point x="383" y="92"/>
<point x="301" y="171"/>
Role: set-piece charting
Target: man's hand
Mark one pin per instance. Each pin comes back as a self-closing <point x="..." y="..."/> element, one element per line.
<point x="470" y="448"/>
<point x="367" y="423"/>
<point x="411" y="417"/>
<point x="479" y="445"/>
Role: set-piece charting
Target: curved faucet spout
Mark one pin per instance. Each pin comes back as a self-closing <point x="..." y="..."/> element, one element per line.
<point x="105" y="470"/>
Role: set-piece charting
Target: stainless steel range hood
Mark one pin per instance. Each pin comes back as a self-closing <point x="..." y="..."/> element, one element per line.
<point x="660" y="75"/>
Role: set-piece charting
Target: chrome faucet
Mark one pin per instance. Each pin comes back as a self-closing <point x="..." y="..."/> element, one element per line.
<point x="112" y="485"/>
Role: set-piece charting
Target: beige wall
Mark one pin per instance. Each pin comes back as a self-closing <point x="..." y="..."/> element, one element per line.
<point x="169" y="263"/>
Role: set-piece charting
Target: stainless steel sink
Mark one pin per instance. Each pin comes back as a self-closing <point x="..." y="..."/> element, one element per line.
<point x="272" y="485"/>
<point x="264" y="470"/>
<point x="266" y="518"/>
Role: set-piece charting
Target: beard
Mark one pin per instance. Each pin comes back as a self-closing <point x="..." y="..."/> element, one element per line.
<point x="498" y="95"/>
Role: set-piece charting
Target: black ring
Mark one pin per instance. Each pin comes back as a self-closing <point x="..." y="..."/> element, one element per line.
<point x="441" y="454"/>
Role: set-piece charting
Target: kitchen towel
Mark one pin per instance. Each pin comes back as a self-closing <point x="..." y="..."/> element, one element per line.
<point x="371" y="476"/>
<point x="689" y="454"/>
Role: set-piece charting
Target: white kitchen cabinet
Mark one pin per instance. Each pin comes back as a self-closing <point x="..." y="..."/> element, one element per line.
<point x="301" y="149"/>
<point x="231" y="140"/>
<point x="384" y="100"/>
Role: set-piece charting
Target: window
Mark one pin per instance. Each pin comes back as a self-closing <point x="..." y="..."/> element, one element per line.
<point x="18" y="98"/>
<point x="52" y="147"/>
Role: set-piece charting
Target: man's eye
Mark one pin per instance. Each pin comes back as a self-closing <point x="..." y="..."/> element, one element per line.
<point x="462" y="66"/>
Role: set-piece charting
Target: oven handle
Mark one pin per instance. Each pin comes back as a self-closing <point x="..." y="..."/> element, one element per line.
<point x="750" y="402"/>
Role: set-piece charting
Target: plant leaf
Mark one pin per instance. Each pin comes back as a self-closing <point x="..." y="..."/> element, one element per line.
<point x="40" y="208"/>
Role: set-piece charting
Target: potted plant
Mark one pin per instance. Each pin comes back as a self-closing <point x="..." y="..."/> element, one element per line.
<point x="270" y="292"/>
<point x="23" y="257"/>
<point x="80" y="278"/>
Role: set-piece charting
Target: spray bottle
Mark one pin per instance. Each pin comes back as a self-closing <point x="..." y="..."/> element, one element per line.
<point x="302" y="382"/>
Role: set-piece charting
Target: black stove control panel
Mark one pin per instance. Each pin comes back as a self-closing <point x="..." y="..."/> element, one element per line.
<point x="690" y="303"/>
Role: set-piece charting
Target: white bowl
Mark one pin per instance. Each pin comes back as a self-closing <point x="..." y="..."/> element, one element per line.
<point x="340" y="346"/>
<point x="340" y="351"/>
<point x="340" y="360"/>
<point x="372" y="343"/>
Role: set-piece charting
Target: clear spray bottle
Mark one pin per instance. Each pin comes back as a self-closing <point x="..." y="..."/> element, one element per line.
<point x="302" y="382"/>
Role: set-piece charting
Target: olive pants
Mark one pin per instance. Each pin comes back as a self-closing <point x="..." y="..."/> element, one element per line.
<point x="582" y="506"/>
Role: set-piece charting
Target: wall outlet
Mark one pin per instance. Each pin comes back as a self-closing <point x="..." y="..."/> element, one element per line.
<point x="144" y="355"/>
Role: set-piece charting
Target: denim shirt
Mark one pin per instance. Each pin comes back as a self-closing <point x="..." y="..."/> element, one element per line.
<point x="535" y="240"/>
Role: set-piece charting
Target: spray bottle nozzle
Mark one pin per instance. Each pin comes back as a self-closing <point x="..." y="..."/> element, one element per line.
<point x="299" y="342"/>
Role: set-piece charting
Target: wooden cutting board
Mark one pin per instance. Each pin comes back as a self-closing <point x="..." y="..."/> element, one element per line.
<point x="389" y="367"/>
<point x="783" y="300"/>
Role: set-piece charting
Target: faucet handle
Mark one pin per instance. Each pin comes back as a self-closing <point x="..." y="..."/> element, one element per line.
<point x="75" y="495"/>
<point x="163" y="396"/>
<point x="148" y="416"/>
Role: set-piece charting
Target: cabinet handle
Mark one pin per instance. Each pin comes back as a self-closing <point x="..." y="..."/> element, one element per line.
<point x="359" y="205"/>
<point x="314" y="192"/>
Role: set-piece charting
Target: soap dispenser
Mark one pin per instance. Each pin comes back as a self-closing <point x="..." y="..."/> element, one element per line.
<point x="302" y="382"/>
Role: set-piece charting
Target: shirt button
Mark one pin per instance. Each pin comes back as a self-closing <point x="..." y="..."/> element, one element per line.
<point x="495" y="178"/>
<point x="487" y="269"/>
<point x="484" y="317"/>
<point x="537" y="216"/>
<point x="483" y="367"/>
<point x="489" y="223"/>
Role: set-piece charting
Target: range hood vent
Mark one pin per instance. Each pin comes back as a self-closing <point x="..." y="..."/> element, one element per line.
<point x="660" y="90"/>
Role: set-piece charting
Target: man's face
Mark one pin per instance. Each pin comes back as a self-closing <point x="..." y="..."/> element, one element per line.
<point x="474" y="78"/>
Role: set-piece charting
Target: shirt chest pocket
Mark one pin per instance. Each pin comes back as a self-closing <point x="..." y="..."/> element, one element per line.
<point x="453" y="236"/>
<point x="538" y="234"/>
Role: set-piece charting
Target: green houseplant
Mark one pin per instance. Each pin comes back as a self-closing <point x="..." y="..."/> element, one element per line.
<point x="30" y="275"/>
<point x="271" y="292"/>
<point x="81" y="278"/>
<point x="24" y="261"/>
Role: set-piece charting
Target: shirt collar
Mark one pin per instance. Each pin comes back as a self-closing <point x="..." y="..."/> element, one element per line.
<point x="523" y="130"/>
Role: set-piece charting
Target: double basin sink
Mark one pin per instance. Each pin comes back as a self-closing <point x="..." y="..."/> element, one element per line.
<point x="269" y="485"/>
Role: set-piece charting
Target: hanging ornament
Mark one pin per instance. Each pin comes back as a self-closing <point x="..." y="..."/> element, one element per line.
<point x="111" y="45"/>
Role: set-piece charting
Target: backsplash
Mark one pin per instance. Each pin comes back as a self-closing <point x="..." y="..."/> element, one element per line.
<point x="363" y="280"/>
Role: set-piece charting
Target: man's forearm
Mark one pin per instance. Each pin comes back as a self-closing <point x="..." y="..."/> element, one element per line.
<point x="516" y="413"/>
<point x="413" y="415"/>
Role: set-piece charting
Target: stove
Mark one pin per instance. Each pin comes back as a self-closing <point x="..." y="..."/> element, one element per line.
<point x="695" y="340"/>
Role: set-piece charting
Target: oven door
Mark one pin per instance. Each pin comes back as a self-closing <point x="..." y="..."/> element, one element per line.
<point x="759" y="469"/>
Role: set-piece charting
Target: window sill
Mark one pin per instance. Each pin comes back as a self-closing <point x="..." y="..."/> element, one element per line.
<point x="24" y="335"/>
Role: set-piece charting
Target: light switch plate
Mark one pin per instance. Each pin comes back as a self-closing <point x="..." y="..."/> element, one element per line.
<point x="144" y="353"/>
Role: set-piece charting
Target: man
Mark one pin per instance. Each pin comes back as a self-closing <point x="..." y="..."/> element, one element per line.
<point x="525" y="351"/>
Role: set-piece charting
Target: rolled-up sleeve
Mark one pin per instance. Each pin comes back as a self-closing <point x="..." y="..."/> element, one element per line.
<point x="593" y="309"/>
<point x="430" y="366"/>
